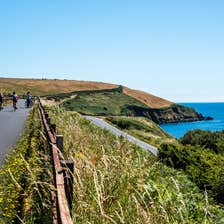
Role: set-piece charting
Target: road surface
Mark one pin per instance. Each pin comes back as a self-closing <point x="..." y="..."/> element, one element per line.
<point x="11" y="126"/>
<point x="101" y="123"/>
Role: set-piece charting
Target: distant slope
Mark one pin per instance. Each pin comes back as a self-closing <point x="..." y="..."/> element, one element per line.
<point x="148" y="99"/>
<point x="49" y="86"/>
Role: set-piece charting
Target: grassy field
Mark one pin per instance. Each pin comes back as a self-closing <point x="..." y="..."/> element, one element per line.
<point x="142" y="128"/>
<point x="117" y="182"/>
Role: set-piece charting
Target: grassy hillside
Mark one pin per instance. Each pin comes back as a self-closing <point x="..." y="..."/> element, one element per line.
<point x="116" y="102"/>
<point x="142" y="128"/>
<point x="41" y="87"/>
<point x="112" y="102"/>
<point x="117" y="182"/>
<point x="102" y="99"/>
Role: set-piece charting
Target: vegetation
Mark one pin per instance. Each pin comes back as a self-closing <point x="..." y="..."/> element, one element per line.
<point x="142" y="128"/>
<point x="201" y="157"/>
<point x="25" y="178"/>
<point x="117" y="182"/>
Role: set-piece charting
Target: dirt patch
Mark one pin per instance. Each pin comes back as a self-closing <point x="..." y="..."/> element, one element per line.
<point x="46" y="102"/>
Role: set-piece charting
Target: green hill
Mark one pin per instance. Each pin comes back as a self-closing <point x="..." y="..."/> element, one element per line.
<point x="99" y="98"/>
<point x="115" y="102"/>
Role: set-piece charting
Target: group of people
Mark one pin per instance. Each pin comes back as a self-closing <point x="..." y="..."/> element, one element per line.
<point x="15" y="99"/>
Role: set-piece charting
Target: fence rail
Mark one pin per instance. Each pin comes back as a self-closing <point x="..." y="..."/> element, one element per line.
<point x="62" y="172"/>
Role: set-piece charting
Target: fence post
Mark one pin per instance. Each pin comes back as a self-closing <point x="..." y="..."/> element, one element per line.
<point x="68" y="172"/>
<point x="59" y="142"/>
<point x="49" y="120"/>
<point x="53" y="128"/>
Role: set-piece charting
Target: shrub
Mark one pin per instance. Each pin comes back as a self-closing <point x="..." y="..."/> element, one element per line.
<point x="207" y="139"/>
<point x="204" y="167"/>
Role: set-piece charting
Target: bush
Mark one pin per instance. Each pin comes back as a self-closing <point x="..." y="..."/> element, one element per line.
<point x="207" y="139"/>
<point x="203" y="166"/>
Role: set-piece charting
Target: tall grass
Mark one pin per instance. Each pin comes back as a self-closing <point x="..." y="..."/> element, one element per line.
<point x="26" y="179"/>
<point x="117" y="182"/>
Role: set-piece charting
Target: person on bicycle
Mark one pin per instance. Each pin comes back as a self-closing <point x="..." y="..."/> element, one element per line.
<point x="1" y="101"/>
<point x="14" y="100"/>
<point x="28" y="99"/>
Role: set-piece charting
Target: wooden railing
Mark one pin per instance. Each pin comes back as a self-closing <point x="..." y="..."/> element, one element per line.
<point x="63" y="173"/>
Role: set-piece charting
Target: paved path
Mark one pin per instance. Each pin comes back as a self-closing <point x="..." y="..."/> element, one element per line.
<point x="101" y="123"/>
<point x="11" y="126"/>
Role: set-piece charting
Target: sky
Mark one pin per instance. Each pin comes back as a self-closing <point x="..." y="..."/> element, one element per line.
<point x="173" y="49"/>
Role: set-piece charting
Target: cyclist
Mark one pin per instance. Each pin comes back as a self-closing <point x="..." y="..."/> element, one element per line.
<point x="28" y="99"/>
<point x="1" y="101"/>
<point x="14" y="100"/>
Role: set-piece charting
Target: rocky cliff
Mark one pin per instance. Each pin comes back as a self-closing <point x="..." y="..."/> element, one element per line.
<point x="173" y="114"/>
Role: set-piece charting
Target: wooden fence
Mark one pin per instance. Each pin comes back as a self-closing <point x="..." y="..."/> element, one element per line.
<point x="63" y="173"/>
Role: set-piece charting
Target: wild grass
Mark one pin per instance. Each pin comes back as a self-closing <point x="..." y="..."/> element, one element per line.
<point x="26" y="179"/>
<point x="117" y="182"/>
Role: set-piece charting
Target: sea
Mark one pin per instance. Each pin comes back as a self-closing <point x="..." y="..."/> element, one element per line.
<point x="215" y="110"/>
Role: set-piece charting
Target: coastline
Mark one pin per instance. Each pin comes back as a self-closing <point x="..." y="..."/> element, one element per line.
<point x="216" y="110"/>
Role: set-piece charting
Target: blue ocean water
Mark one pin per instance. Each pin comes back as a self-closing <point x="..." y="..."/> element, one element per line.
<point x="215" y="110"/>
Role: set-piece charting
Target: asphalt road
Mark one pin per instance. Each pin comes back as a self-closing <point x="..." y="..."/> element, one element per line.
<point x="101" y="123"/>
<point x="11" y="127"/>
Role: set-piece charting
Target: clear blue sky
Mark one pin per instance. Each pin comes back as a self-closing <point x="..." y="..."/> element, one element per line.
<point x="174" y="49"/>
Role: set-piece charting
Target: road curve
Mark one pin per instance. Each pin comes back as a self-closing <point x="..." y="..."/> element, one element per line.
<point x="101" y="123"/>
<point x="11" y="126"/>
